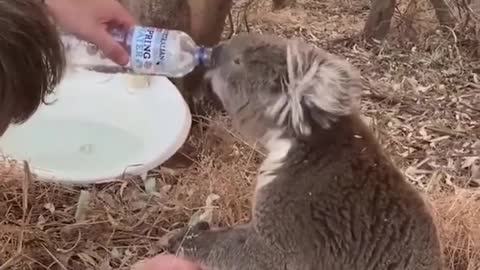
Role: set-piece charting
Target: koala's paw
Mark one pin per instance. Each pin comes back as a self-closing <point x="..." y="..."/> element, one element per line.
<point x="184" y="240"/>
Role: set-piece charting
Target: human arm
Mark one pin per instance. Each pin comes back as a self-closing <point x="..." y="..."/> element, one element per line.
<point x="90" y="20"/>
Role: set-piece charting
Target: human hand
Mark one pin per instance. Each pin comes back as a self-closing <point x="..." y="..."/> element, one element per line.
<point x="90" y="20"/>
<point x="165" y="262"/>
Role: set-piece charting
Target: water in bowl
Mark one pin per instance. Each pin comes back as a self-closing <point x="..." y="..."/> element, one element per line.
<point x="73" y="146"/>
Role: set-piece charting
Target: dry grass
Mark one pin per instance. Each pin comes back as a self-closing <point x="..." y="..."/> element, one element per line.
<point x="458" y="214"/>
<point x="422" y="99"/>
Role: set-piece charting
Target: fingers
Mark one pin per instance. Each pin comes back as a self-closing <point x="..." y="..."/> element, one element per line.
<point x="122" y="17"/>
<point x="110" y="47"/>
<point x="166" y="262"/>
<point x="89" y="20"/>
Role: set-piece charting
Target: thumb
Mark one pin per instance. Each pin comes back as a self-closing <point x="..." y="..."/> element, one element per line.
<point x="110" y="47"/>
<point x="165" y="262"/>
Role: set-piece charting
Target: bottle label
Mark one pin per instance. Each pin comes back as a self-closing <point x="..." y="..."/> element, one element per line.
<point x="148" y="49"/>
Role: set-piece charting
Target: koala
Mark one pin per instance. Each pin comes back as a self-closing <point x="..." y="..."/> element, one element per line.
<point x="326" y="196"/>
<point x="32" y="59"/>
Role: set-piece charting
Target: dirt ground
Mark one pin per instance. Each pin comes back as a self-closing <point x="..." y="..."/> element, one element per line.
<point x="421" y="97"/>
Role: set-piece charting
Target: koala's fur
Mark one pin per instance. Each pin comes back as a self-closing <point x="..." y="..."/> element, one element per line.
<point x="327" y="196"/>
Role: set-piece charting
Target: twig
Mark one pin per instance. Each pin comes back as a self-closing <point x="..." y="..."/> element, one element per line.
<point x="9" y="262"/>
<point x="245" y="14"/>
<point x="232" y="26"/>
<point x="455" y="41"/>
<point x="469" y="106"/>
<point x="27" y="180"/>
<point x="383" y="98"/>
<point x="446" y="131"/>
<point x="245" y="20"/>
<point x="55" y="258"/>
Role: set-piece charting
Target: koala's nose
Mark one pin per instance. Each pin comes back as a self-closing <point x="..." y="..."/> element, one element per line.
<point x="216" y="54"/>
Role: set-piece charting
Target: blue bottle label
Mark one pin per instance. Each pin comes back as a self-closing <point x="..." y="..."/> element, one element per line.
<point x="149" y="49"/>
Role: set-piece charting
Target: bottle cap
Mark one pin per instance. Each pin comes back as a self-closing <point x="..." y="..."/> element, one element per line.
<point x="203" y="56"/>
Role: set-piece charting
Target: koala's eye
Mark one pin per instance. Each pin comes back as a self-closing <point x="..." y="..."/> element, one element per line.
<point x="236" y="61"/>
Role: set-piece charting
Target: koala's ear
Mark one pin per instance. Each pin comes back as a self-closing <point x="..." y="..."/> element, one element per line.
<point x="318" y="88"/>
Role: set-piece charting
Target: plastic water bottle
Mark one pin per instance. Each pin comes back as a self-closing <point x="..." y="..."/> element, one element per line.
<point x="153" y="51"/>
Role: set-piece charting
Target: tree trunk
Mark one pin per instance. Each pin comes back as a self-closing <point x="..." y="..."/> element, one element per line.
<point x="207" y="24"/>
<point x="208" y="20"/>
<point x="443" y="13"/>
<point x="379" y="19"/>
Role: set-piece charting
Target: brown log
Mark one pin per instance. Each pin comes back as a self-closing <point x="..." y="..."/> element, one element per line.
<point x="443" y="13"/>
<point x="379" y="19"/>
<point x="279" y="4"/>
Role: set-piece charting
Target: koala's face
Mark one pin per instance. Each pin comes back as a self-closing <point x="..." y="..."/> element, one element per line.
<point x="271" y="82"/>
<point x="247" y="73"/>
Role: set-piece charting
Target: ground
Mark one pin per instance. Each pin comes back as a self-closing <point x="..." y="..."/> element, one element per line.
<point x="421" y="97"/>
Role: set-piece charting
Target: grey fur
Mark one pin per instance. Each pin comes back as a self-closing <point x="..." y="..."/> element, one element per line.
<point x="327" y="196"/>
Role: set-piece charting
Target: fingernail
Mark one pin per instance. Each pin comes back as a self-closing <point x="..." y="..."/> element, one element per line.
<point x="124" y="59"/>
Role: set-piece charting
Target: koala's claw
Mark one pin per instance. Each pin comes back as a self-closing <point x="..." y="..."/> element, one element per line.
<point x="182" y="239"/>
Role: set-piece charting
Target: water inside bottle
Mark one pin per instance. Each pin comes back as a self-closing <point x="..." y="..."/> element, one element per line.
<point x="179" y="53"/>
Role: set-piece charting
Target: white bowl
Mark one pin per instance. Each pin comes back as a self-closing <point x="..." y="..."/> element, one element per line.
<point x="98" y="130"/>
